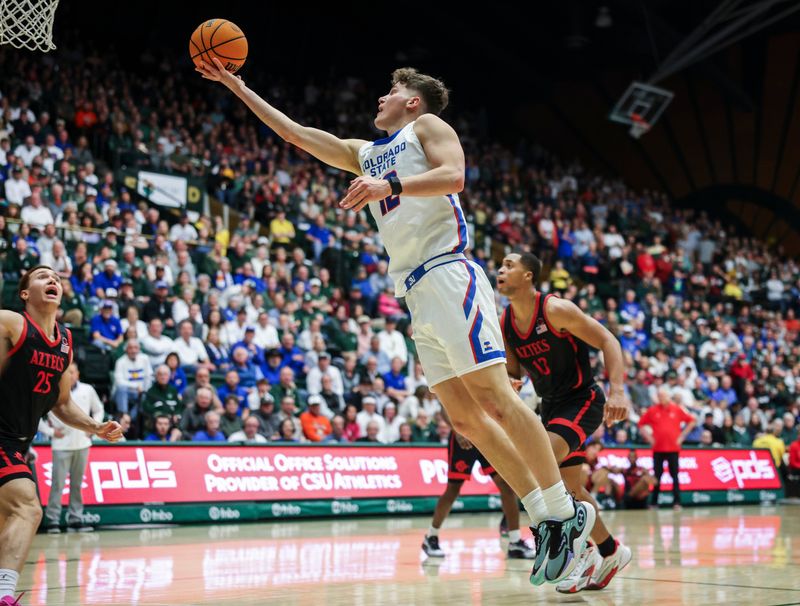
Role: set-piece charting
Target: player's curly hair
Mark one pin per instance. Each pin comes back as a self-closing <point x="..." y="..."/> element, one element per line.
<point x="433" y="91"/>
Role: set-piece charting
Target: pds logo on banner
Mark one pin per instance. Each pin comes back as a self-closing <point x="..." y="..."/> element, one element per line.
<point x="727" y="469"/>
<point x="138" y="474"/>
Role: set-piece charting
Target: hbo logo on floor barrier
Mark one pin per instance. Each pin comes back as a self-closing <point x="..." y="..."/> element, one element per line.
<point x="340" y="507"/>
<point x="154" y="515"/>
<point x="91" y="518"/>
<point x="223" y="513"/>
<point x="393" y="506"/>
<point x="285" y="509"/>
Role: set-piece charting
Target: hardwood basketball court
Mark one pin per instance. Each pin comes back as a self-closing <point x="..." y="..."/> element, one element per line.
<point x="722" y="555"/>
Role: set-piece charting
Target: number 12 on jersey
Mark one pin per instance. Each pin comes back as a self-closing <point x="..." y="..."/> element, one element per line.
<point x="390" y="203"/>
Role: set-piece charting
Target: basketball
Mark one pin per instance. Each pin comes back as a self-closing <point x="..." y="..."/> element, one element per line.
<point x="219" y="38"/>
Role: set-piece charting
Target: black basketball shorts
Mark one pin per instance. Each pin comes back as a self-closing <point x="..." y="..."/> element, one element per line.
<point x="460" y="461"/>
<point x="575" y="419"/>
<point x="12" y="463"/>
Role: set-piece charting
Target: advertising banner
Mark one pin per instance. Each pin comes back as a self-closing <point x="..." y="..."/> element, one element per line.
<point x="707" y="469"/>
<point x="130" y="475"/>
<point x="119" y="475"/>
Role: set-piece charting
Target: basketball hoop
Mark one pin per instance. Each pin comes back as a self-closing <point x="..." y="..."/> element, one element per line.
<point x="639" y="126"/>
<point x="640" y="107"/>
<point x="28" y="23"/>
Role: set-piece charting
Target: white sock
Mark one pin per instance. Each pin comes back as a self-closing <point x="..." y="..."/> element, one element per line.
<point x="433" y="532"/>
<point x="8" y="582"/>
<point x="535" y="506"/>
<point x="558" y="502"/>
<point x="513" y="535"/>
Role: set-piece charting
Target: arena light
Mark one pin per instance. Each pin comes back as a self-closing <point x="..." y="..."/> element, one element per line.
<point x="603" y="19"/>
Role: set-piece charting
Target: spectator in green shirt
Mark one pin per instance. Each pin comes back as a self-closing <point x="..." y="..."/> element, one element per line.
<point x="339" y="333"/>
<point x="230" y="421"/>
<point x="789" y="433"/>
<point x="286" y="387"/>
<point x="194" y="418"/>
<point x="161" y="398"/>
<point x="423" y="429"/>
<point x="18" y="260"/>
<point x="71" y="304"/>
<point x="142" y="287"/>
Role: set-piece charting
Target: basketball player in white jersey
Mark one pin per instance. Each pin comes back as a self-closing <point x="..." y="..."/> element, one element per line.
<point x="410" y="180"/>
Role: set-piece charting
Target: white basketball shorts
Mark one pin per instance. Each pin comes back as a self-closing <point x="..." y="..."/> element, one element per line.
<point x="455" y="323"/>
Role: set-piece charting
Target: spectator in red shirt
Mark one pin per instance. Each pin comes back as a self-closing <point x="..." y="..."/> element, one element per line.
<point x="742" y="371"/>
<point x="645" y="264"/>
<point x="792" y="323"/>
<point x="352" y="430"/>
<point x="86" y="116"/>
<point x="316" y="426"/>
<point x="664" y="268"/>
<point x="793" y="485"/>
<point x="670" y="424"/>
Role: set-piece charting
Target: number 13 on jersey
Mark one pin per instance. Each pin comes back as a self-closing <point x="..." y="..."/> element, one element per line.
<point x="390" y="203"/>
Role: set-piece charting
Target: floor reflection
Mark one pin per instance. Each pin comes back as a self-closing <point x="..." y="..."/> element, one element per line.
<point x="211" y="562"/>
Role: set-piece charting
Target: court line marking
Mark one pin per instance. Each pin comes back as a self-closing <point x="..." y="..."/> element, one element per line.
<point x="708" y="583"/>
<point x="656" y="580"/>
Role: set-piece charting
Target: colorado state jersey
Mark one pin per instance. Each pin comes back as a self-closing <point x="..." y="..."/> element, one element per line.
<point x="29" y="381"/>
<point x="413" y="229"/>
<point x="558" y="363"/>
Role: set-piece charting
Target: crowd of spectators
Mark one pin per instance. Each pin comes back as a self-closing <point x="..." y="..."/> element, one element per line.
<point x="286" y="328"/>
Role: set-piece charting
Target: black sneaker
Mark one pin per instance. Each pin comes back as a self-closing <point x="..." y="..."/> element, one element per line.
<point x="540" y="543"/>
<point x="53" y="529"/>
<point x="80" y="527"/>
<point x="519" y="550"/>
<point x="504" y="527"/>
<point x="567" y="540"/>
<point x="430" y="545"/>
<point x="537" y="539"/>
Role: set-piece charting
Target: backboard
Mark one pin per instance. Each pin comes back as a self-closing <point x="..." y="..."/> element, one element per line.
<point x="640" y="107"/>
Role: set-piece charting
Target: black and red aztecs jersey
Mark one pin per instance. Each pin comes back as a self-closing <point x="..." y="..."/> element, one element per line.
<point x="557" y="362"/>
<point x="29" y="380"/>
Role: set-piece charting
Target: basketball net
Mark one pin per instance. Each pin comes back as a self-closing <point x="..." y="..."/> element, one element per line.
<point x="639" y="126"/>
<point x="28" y="23"/>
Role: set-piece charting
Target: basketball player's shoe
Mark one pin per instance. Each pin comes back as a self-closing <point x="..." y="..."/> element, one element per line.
<point x="519" y="550"/>
<point x="610" y="566"/>
<point x="10" y="601"/>
<point x="504" y="526"/>
<point x="430" y="545"/>
<point x="562" y="541"/>
<point x="79" y="527"/>
<point x="540" y="558"/>
<point x="588" y="563"/>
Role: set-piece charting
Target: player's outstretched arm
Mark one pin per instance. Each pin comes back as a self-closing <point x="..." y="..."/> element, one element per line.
<point x="339" y="153"/>
<point x="72" y="414"/>
<point x="564" y="315"/>
<point x="446" y="176"/>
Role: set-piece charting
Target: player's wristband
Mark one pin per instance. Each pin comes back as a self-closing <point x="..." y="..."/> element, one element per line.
<point x="397" y="187"/>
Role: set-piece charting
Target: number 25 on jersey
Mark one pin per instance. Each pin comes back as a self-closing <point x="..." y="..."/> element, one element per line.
<point x="390" y="203"/>
<point x="43" y="383"/>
